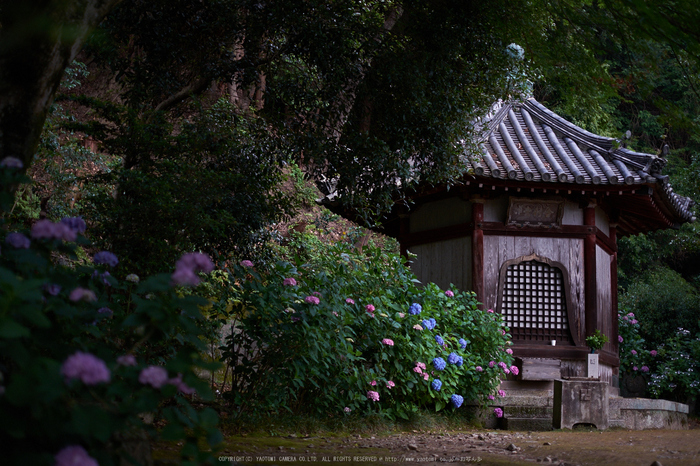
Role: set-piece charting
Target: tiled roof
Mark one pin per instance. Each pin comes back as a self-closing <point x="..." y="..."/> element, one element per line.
<point x="526" y="142"/>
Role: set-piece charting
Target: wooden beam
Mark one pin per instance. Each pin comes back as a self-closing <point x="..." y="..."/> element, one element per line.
<point x="613" y="293"/>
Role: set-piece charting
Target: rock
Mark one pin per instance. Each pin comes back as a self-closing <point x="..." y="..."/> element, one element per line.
<point x="547" y="443"/>
<point x="412" y="446"/>
<point x="280" y="448"/>
<point x="512" y="447"/>
<point x="656" y="463"/>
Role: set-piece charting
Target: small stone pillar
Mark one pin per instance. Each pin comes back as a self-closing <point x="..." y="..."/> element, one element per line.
<point x="580" y="401"/>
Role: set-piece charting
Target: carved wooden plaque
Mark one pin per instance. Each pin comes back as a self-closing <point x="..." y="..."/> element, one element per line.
<point x="535" y="212"/>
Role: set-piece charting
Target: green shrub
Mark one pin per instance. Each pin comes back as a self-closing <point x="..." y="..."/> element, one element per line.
<point x="333" y="335"/>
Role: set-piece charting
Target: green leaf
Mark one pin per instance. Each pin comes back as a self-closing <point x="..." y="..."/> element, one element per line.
<point x="11" y="329"/>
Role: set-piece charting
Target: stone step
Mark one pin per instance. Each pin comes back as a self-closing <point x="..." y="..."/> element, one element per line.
<point x="524" y="423"/>
<point x="529" y="412"/>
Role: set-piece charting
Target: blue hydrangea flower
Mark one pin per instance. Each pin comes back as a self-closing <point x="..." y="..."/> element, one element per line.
<point x="439" y="340"/>
<point x="415" y="309"/>
<point x="456" y="400"/>
<point x="437" y="385"/>
<point x="463" y="343"/>
<point x="439" y="364"/>
<point x="455" y="358"/>
<point x="428" y="325"/>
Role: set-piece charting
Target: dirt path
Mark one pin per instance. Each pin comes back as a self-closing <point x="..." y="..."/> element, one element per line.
<point x="614" y="448"/>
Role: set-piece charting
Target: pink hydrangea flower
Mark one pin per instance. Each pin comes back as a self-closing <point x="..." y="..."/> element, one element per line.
<point x="490" y="310"/>
<point x="246" y="263"/>
<point x="373" y="383"/>
<point x="372" y="395"/>
<point x="507" y="371"/>
<point x="634" y="368"/>
<point x="509" y="351"/>
<point x="514" y="370"/>
<point x="417" y="327"/>
<point x="449" y="294"/>
<point x="289" y="282"/>
<point x="492" y="363"/>
<point x="90" y="369"/>
<point x="502" y="365"/>
<point x="390" y="384"/>
<point x="645" y="368"/>
<point x="620" y="339"/>
<point x="634" y="352"/>
<point x="74" y="455"/>
<point x="126" y="360"/>
<point x="346" y="409"/>
<point x="154" y="376"/>
<point x="426" y="376"/>
<point x="388" y="342"/>
<point x="418" y="370"/>
<point x="478" y="368"/>
<point x="370" y="308"/>
<point x="653" y="352"/>
<point x="335" y="314"/>
<point x="631" y="314"/>
<point x="491" y="397"/>
<point x="498" y="412"/>
<point x="181" y="386"/>
<point x="82" y="294"/>
<point x="402" y="315"/>
<point x="634" y="321"/>
<point x="312" y="300"/>
<point x="350" y="301"/>
<point x="188" y="265"/>
<point x="501" y="393"/>
<point x="503" y="332"/>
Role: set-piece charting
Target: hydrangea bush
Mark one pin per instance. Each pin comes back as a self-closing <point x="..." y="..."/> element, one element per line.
<point x="87" y="360"/>
<point x="355" y="333"/>
<point x="671" y="369"/>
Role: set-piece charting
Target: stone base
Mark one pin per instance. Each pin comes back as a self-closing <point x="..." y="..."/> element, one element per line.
<point x="529" y="424"/>
<point x="644" y="413"/>
<point x="580" y="402"/>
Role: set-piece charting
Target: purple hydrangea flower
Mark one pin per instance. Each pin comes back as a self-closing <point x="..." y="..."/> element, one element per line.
<point x="246" y="263"/>
<point x="106" y="311"/>
<point x="449" y="293"/>
<point x="52" y="289"/>
<point x="76" y="224"/>
<point x="653" y="352"/>
<point x="74" y="455"/>
<point x="188" y="265"/>
<point x="501" y="393"/>
<point x="289" y="282"/>
<point x="492" y="363"/>
<point x="126" y="360"/>
<point x="82" y="294"/>
<point x="634" y="352"/>
<point x="312" y="300"/>
<point x="514" y="370"/>
<point x="478" y="368"/>
<point x="620" y="339"/>
<point x="456" y="400"/>
<point x="437" y="385"/>
<point x="106" y="258"/>
<point x="90" y="369"/>
<point x="439" y="364"/>
<point x="439" y="340"/>
<point x="503" y="365"/>
<point x="415" y="309"/>
<point x="645" y="368"/>
<point x="17" y="240"/>
<point x="463" y="343"/>
<point x="46" y="229"/>
<point x="498" y="412"/>
<point x="154" y="376"/>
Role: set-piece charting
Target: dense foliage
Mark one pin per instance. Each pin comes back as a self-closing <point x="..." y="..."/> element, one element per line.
<point x="354" y="333"/>
<point x="87" y="362"/>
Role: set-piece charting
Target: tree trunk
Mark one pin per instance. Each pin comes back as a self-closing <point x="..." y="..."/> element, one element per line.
<point x="38" y="39"/>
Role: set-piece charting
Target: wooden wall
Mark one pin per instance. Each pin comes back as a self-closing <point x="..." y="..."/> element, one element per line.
<point x="444" y="262"/>
<point x="438" y="214"/>
<point x="605" y="313"/>
<point x="567" y="251"/>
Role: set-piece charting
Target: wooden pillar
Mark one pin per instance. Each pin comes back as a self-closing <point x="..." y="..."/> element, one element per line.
<point x="478" y="249"/>
<point x="589" y="270"/>
<point x="613" y="290"/>
<point x="404" y="230"/>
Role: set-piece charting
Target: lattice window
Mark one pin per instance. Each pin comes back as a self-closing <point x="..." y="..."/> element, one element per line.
<point x="533" y="302"/>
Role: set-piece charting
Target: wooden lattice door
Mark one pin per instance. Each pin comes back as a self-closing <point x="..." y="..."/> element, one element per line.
<point x="533" y="300"/>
